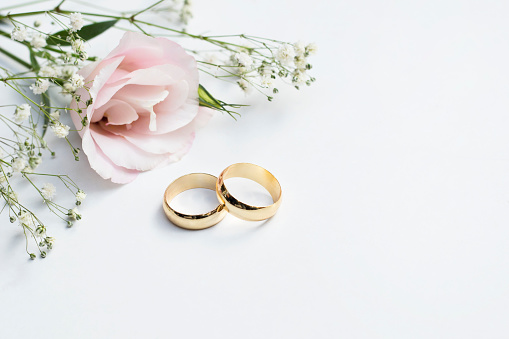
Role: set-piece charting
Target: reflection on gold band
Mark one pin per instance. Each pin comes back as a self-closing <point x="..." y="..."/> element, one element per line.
<point x="255" y="173"/>
<point x="198" y="221"/>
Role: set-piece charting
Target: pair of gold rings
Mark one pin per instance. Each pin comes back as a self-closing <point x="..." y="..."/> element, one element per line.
<point x="227" y="202"/>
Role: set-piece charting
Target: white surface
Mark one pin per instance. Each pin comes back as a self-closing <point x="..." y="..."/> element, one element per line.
<point x="395" y="171"/>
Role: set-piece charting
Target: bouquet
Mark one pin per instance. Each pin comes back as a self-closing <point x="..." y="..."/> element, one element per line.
<point x="136" y="109"/>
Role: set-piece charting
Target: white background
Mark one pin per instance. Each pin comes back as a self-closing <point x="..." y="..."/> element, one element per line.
<point x="395" y="171"/>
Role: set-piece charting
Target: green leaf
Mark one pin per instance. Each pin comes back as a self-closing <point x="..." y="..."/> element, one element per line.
<point x="207" y="100"/>
<point x="33" y="61"/>
<point x="86" y="33"/>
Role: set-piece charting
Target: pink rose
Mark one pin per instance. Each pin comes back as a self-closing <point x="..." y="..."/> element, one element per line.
<point x="145" y="107"/>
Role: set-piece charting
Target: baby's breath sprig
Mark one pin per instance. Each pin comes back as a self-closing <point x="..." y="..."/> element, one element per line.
<point x="257" y="63"/>
<point x="51" y="65"/>
<point x="20" y="157"/>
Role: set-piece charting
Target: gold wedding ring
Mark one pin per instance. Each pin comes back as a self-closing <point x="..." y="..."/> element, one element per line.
<point x="257" y="174"/>
<point x="197" y="221"/>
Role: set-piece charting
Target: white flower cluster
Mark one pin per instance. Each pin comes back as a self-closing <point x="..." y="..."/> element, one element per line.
<point x="186" y="13"/>
<point x="53" y="68"/>
<point x="40" y="231"/>
<point x="80" y="196"/>
<point x="78" y="47"/>
<point x="60" y="130"/>
<point x="26" y="219"/>
<point x="287" y="61"/>
<point x="296" y="55"/>
<point x="20" y="164"/>
<point x="76" y="21"/>
<point x="74" y="214"/>
<point x="19" y="34"/>
<point x="77" y="81"/>
<point x="37" y="40"/>
<point x="40" y="86"/>
<point x="22" y="113"/>
<point x="48" y="191"/>
<point x="244" y="60"/>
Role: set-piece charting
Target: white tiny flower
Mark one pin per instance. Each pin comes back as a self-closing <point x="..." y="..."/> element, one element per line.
<point x="37" y="23"/>
<point x="67" y="56"/>
<point x="47" y="71"/>
<point x="285" y="54"/>
<point x="244" y="85"/>
<point x="77" y="21"/>
<point x="68" y="88"/>
<point x="78" y="45"/>
<point x="83" y="56"/>
<point x="40" y="232"/>
<point x="244" y="59"/>
<point x="266" y="80"/>
<point x="77" y="81"/>
<point x="27" y="169"/>
<point x="80" y="196"/>
<point x="60" y="130"/>
<point x="48" y="191"/>
<point x="301" y="62"/>
<point x="66" y="71"/>
<point x="211" y="58"/>
<point x="26" y="219"/>
<point x="34" y="162"/>
<point x="22" y="113"/>
<point x="242" y="70"/>
<point x="267" y="70"/>
<point x="311" y="49"/>
<point x="3" y="178"/>
<point x="74" y="214"/>
<point x="38" y="41"/>
<point x="40" y="86"/>
<point x="186" y="13"/>
<point x="55" y="116"/>
<point x="50" y="242"/>
<point x="300" y="48"/>
<point x="300" y="78"/>
<point x="19" y="164"/>
<point x="19" y="34"/>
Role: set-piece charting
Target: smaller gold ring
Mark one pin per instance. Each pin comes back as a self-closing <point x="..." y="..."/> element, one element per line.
<point x="255" y="173"/>
<point x="190" y="221"/>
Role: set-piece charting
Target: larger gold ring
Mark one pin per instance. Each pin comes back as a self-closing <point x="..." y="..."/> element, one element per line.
<point x="197" y="221"/>
<point x="255" y="173"/>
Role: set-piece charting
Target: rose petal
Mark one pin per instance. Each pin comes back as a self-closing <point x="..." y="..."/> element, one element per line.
<point x="118" y="112"/>
<point x="172" y="142"/>
<point x="157" y="144"/>
<point x="161" y="75"/>
<point x="100" y="163"/>
<point x="143" y="99"/>
<point x="176" y="111"/>
<point x="124" y="154"/>
<point x="142" y="51"/>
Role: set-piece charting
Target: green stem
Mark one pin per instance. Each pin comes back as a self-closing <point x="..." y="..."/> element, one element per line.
<point x="146" y="9"/>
